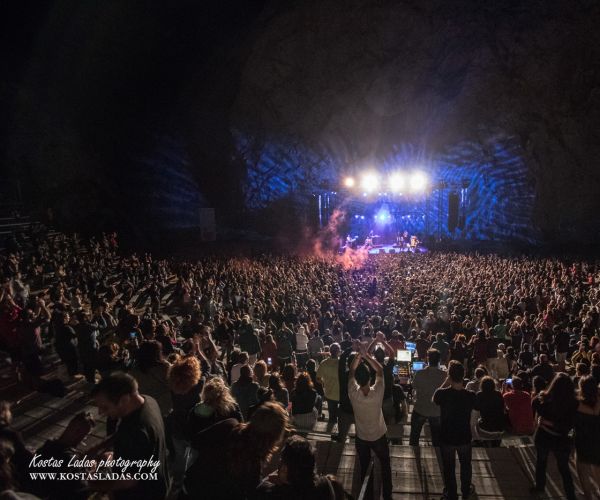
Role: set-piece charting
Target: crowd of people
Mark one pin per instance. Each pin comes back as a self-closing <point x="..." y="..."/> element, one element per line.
<point x="214" y="366"/>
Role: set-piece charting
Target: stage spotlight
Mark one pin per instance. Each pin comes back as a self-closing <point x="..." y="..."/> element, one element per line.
<point x="396" y="183"/>
<point x="383" y="217"/>
<point x="349" y="182"/>
<point x="370" y="182"/>
<point x="418" y="182"/>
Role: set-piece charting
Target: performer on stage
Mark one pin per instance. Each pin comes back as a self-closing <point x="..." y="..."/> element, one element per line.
<point x="414" y="242"/>
<point x="349" y="241"/>
<point x="399" y="240"/>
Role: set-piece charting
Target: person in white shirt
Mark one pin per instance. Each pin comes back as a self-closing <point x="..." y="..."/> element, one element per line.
<point x="315" y="346"/>
<point x="301" y="347"/>
<point x="475" y="384"/>
<point x="235" y="369"/>
<point x="368" y="417"/>
<point x="425" y="383"/>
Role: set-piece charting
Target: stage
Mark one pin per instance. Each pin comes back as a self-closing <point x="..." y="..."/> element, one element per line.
<point x="378" y="249"/>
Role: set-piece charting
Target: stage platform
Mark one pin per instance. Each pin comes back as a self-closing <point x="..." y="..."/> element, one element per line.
<point x="379" y="249"/>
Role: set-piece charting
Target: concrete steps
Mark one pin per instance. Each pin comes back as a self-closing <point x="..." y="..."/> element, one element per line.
<point x="498" y="473"/>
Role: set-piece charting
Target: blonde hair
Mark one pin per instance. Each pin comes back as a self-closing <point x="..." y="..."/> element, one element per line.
<point x="218" y="396"/>
<point x="260" y="371"/>
<point x="184" y="374"/>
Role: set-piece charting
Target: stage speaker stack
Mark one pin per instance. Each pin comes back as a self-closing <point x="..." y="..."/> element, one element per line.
<point x="453" y="204"/>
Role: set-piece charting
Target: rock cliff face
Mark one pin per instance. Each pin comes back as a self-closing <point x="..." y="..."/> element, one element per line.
<point x="269" y="99"/>
<point x="344" y="84"/>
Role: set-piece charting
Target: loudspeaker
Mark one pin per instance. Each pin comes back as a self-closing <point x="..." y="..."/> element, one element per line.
<point x="453" y="203"/>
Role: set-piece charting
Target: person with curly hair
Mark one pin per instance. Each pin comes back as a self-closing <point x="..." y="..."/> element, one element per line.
<point x="185" y="381"/>
<point x="216" y="404"/>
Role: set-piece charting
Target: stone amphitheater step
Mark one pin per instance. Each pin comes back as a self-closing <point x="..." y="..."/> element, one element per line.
<point x="322" y="431"/>
<point x="498" y="473"/>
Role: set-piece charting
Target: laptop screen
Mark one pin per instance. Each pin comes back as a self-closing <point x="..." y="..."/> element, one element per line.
<point x="403" y="355"/>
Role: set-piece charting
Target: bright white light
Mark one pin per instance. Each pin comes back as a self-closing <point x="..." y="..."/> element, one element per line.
<point x="418" y="182"/>
<point x="349" y="182"/>
<point x="370" y="182"/>
<point x="397" y="183"/>
<point x="383" y="217"/>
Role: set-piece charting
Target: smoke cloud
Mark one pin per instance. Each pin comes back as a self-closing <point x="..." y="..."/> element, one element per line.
<point x="328" y="241"/>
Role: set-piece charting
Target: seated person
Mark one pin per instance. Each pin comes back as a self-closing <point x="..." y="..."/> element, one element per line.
<point x="490" y="405"/>
<point x="306" y="402"/>
<point x="216" y="404"/>
<point x="246" y="391"/>
<point x="518" y="406"/>
<point x="296" y="479"/>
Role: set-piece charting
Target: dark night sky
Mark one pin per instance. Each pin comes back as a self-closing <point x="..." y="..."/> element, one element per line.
<point x="90" y="88"/>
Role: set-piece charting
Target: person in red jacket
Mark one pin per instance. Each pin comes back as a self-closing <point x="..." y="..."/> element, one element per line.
<point x="518" y="406"/>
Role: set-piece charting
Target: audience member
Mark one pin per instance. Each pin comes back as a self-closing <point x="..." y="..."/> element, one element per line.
<point x="230" y="454"/>
<point x="587" y="437"/>
<point x="296" y="479"/>
<point x="556" y="408"/>
<point x="425" y="383"/>
<point x="306" y="403"/>
<point x="89" y="302"/>
<point x="371" y="430"/>
<point x="139" y="436"/>
<point x="518" y="406"/>
<point x="245" y="391"/>
<point x="456" y="405"/>
<point x="327" y="373"/>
